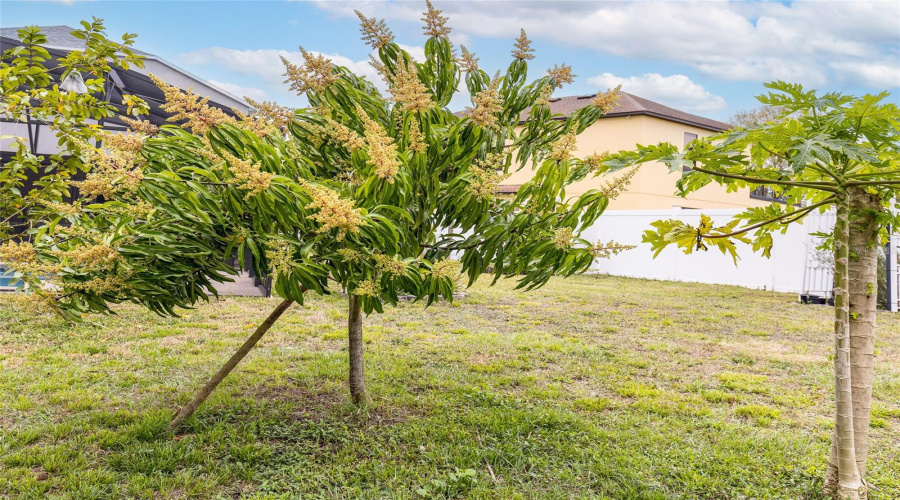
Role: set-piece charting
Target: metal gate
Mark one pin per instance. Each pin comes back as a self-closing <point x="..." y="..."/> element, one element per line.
<point x="818" y="275"/>
<point x="892" y="261"/>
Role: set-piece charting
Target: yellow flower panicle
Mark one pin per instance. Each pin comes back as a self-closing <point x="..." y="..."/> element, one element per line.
<point x="342" y="135"/>
<point x="124" y="143"/>
<point x="17" y="254"/>
<point x="375" y="32"/>
<point x="546" y="93"/>
<point x="114" y="168"/>
<point x="382" y="150"/>
<point x="280" y="255"/>
<point x="607" y="101"/>
<point x="316" y="74"/>
<point x="435" y="23"/>
<point x="562" y="238"/>
<point x="612" y="189"/>
<point x="487" y="174"/>
<point x="468" y="60"/>
<point x="561" y="74"/>
<point x="561" y="149"/>
<point x="608" y="249"/>
<point x="487" y="104"/>
<point x="416" y="137"/>
<point x="100" y="285"/>
<point x="140" y="126"/>
<point x="333" y="212"/>
<point x="99" y="256"/>
<point x="198" y="116"/>
<point x="247" y="175"/>
<point x="379" y="68"/>
<point x="595" y="161"/>
<point x="523" y="50"/>
<point x="267" y="118"/>
<point x="389" y="265"/>
<point x="445" y="269"/>
<point x="349" y="255"/>
<point x="408" y="91"/>
<point x="367" y="288"/>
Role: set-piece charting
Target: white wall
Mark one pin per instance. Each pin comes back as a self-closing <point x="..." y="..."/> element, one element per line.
<point x="783" y="272"/>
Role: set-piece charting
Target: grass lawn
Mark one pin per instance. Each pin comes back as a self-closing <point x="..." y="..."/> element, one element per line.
<point x="592" y="387"/>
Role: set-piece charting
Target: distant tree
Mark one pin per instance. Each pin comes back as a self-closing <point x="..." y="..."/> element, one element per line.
<point x="756" y="116"/>
<point x="66" y="95"/>
<point x="832" y="151"/>
<point x="362" y="192"/>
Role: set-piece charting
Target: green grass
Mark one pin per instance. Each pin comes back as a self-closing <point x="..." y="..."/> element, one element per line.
<point x="592" y="387"/>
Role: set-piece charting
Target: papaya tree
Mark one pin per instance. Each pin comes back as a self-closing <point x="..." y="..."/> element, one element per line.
<point x="375" y="195"/>
<point x="822" y="152"/>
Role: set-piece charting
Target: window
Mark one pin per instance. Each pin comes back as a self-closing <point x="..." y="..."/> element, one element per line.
<point x="688" y="137"/>
<point x="767" y="193"/>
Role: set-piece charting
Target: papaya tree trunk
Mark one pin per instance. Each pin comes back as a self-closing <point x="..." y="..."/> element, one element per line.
<point x="863" y="285"/>
<point x="842" y="478"/>
<point x="223" y="372"/>
<point x="357" y="368"/>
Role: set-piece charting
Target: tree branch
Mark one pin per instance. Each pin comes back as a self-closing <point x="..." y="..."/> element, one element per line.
<point x="821" y="186"/>
<point x="798" y="213"/>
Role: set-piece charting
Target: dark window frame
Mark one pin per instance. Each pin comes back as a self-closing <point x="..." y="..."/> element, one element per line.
<point x="688" y="137"/>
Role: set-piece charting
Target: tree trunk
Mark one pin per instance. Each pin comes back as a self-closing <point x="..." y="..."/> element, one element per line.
<point x="357" y="371"/>
<point x="842" y="478"/>
<point x="223" y="372"/>
<point x="863" y="285"/>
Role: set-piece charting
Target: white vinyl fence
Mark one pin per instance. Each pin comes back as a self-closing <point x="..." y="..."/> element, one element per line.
<point x="791" y="268"/>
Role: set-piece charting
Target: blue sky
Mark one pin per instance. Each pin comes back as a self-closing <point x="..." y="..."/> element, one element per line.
<point x="708" y="58"/>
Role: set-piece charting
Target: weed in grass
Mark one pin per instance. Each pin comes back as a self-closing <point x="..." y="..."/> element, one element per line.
<point x="798" y="398"/>
<point x="592" y="404"/>
<point x="717" y="396"/>
<point x="96" y="349"/>
<point x="878" y="423"/>
<point x="761" y="414"/>
<point x="743" y="359"/>
<point x="754" y="332"/>
<point x="745" y="382"/>
<point x="631" y="389"/>
<point x="884" y="412"/>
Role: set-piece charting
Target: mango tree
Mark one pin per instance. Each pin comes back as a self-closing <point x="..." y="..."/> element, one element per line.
<point x="65" y="95"/>
<point x="362" y="192"/>
<point x="823" y="152"/>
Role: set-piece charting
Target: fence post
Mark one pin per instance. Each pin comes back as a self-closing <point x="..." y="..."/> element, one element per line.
<point x="892" y="271"/>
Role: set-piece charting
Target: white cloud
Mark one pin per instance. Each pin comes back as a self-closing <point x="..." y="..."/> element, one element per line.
<point x="251" y="92"/>
<point x="754" y="41"/>
<point x="879" y="74"/>
<point x="677" y="91"/>
<point x="266" y="64"/>
<point x="417" y="53"/>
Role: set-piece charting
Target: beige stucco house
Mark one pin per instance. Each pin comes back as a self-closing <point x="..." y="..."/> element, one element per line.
<point x="636" y="120"/>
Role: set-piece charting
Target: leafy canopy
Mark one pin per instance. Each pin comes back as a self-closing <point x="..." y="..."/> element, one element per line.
<point x="374" y="191"/>
<point x="30" y="94"/>
<point x="812" y="155"/>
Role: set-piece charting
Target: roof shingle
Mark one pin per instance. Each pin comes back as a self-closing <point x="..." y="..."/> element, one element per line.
<point x="630" y="104"/>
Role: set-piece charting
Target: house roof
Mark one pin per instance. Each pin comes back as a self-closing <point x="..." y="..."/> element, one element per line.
<point x="628" y="105"/>
<point x="59" y="37"/>
<point x="61" y="41"/>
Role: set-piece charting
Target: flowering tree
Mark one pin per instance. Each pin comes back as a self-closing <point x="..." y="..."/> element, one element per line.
<point x="362" y="192"/>
<point x="820" y="152"/>
<point x="65" y="94"/>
